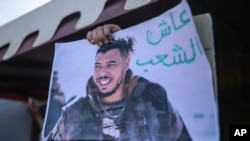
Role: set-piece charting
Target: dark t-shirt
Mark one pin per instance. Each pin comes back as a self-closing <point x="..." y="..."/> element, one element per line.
<point x="112" y="116"/>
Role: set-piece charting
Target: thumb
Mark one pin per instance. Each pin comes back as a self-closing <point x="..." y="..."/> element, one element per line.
<point x="114" y="28"/>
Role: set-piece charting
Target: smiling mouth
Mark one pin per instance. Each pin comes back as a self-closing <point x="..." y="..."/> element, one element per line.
<point x="104" y="81"/>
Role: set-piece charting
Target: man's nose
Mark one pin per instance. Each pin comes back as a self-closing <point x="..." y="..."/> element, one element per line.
<point x="103" y="72"/>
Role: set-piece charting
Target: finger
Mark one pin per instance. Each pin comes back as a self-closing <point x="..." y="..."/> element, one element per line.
<point x="115" y="28"/>
<point x="107" y="31"/>
<point x="100" y="44"/>
<point x="94" y="36"/>
<point x="107" y="34"/>
<point x="89" y="37"/>
<point x="102" y="35"/>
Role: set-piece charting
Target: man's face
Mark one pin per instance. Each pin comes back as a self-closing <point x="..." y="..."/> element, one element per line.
<point x="109" y="71"/>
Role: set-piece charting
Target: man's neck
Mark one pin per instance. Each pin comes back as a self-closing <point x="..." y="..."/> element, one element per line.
<point x="117" y="96"/>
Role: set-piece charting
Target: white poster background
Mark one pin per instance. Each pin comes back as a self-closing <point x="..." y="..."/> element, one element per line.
<point x="160" y="48"/>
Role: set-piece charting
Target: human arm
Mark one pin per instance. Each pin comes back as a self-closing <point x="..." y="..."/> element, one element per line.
<point x="102" y="34"/>
<point x="170" y="122"/>
<point x="177" y="127"/>
<point x="35" y="108"/>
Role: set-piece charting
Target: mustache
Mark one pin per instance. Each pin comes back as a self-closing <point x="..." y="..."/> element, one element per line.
<point x="102" y="77"/>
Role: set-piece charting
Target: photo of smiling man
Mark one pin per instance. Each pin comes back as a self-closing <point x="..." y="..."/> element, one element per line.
<point x="119" y="105"/>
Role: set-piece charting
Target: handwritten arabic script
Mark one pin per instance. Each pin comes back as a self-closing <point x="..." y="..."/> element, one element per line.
<point x="174" y="29"/>
<point x="178" y="55"/>
<point x="166" y="29"/>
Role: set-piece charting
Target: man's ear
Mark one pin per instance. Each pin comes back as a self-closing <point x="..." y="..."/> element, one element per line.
<point x="127" y="62"/>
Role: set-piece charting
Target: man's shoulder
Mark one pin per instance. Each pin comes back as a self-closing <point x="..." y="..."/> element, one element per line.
<point x="149" y="84"/>
<point x="152" y="88"/>
<point x="76" y="103"/>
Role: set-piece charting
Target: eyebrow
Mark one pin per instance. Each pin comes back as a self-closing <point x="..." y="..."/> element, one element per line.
<point x="97" y="63"/>
<point x="112" y="61"/>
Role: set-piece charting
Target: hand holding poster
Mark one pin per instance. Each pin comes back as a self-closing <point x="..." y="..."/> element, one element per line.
<point x="152" y="82"/>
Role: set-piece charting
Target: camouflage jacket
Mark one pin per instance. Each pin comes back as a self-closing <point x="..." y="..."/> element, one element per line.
<point x="148" y="116"/>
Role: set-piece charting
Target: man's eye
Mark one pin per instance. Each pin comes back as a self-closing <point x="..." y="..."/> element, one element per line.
<point x="97" y="66"/>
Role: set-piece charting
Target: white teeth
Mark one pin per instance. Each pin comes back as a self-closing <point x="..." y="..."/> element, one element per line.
<point x="104" y="82"/>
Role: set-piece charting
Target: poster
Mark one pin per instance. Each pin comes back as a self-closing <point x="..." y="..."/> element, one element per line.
<point x="165" y="85"/>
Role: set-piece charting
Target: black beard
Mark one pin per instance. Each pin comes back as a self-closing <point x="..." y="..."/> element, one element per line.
<point x="102" y="95"/>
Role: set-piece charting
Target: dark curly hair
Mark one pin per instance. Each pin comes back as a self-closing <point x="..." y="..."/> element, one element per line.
<point x="125" y="46"/>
